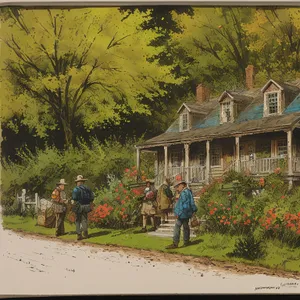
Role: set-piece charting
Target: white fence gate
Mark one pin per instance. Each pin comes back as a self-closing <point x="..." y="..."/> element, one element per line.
<point x="25" y="201"/>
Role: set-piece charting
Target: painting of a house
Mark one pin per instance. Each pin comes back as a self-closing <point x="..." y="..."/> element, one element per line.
<point x="255" y="130"/>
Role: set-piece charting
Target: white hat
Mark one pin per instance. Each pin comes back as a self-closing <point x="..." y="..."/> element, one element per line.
<point x="80" y="178"/>
<point x="61" y="182"/>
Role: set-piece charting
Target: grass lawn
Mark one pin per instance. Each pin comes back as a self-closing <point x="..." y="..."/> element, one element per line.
<point x="214" y="246"/>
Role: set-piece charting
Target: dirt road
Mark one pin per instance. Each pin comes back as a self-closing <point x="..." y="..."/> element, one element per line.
<point x="31" y="266"/>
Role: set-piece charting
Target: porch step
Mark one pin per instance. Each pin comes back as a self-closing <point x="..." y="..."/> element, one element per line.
<point x="166" y="230"/>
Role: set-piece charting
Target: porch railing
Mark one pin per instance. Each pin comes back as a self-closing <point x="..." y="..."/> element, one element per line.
<point x="196" y="174"/>
<point x="263" y="165"/>
<point x="296" y="164"/>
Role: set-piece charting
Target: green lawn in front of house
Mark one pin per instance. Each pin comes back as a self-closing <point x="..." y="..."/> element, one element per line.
<point x="214" y="246"/>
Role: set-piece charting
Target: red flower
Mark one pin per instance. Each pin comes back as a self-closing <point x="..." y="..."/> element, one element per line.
<point x="122" y="202"/>
<point x="120" y="185"/>
<point x="211" y="212"/>
<point x="116" y="190"/>
<point x="123" y="208"/>
<point x="282" y="197"/>
<point x="228" y="208"/>
<point x="125" y="191"/>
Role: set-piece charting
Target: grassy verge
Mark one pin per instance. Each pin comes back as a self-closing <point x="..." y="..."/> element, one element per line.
<point x="208" y="245"/>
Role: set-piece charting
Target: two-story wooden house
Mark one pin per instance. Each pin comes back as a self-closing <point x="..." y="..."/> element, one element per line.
<point x="255" y="130"/>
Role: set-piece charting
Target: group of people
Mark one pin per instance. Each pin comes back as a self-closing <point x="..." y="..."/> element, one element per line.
<point x="82" y="204"/>
<point x="154" y="202"/>
<point x="161" y="202"/>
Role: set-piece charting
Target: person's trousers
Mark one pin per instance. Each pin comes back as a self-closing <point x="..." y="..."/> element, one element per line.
<point x="186" y="231"/>
<point x="81" y="222"/>
<point x="60" y="224"/>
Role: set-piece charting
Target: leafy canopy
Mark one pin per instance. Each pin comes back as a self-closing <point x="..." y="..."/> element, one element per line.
<point x="62" y="68"/>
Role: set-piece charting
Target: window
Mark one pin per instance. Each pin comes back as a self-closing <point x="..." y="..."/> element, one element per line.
<point x="226" y="112"/>
<point x="216" y="156"/>
<point x="273" y="103"/>
<point x="184" y="122"/>
<point x="282" y="148"/>
<point x="202" y="157"/>
<point x="176" y="158"/>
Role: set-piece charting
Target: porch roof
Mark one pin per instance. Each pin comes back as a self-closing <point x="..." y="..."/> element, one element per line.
<point x="263" y="125"/>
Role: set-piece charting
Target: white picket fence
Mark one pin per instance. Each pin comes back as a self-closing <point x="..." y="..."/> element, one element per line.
<point x="25" y="201"/>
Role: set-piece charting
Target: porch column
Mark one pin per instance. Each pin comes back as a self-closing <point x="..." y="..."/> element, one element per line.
<point x="156" y="164"/>
<point x="138" y="163"/>
<point x="290" y="156"/>
<point x="207" y="173"/>
<point x="187" y="162"/>
<point x="166" y="161"/>
<point x="237" y="153"/>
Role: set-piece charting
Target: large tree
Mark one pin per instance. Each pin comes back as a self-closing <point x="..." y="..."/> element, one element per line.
<point x="274" y="35"/>
<point x="62" y="68"/>
<point x="218" y="44"/>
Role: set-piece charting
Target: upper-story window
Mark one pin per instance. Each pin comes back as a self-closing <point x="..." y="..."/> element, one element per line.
<point x="184" y="122"/>
<point x="226" y="111"/>
<point x="228" y="108"/>
<point x="272" y="102"/>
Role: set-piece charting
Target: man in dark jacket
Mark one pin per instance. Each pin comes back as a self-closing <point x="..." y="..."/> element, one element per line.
<point x="184" y="210"/>
<point x="82" y="197"/>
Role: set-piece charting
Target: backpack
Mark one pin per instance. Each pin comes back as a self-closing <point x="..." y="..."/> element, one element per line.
<point x="85" y="195"/>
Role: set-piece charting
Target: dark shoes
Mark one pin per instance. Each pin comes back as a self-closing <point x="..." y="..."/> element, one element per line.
<point x="79" y="237"/>
<point x="172" y="246"/>
<point x="152" y="229"/>
<point x="164" y="222"/>
<point x="187" y="244"/>
<point x="85" y="235"/>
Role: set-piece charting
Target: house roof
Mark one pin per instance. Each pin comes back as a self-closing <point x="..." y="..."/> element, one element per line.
<point x="249" y="121"/>
<point x="274" y="123"/>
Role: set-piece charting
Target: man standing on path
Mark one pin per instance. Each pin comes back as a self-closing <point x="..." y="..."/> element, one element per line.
<point x="184" y="210"/>
<point x="58" y="197"/>
<point x="83" y="197"/>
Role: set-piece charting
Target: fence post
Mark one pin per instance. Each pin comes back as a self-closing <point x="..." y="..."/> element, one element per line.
<point x="23" y="207"/>
<point x="36" y="202"/>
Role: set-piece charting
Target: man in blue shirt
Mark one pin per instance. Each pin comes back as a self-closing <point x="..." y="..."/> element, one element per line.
<point x="82" y="197"/>
<point x="184" y="210"/>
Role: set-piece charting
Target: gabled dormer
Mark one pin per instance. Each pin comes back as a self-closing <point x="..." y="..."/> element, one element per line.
<point x="185" y="118"/>
<point x="228" y="108"/>
<point x="274" y="100"/>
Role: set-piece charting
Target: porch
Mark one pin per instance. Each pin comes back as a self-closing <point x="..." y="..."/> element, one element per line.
<point x="198" y="162"/>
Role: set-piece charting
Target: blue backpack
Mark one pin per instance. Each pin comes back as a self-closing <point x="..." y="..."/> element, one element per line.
<point x="86" y="195"/>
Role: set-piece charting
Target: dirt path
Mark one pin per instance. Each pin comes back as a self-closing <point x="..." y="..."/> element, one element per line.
<point x="34" y="265"/>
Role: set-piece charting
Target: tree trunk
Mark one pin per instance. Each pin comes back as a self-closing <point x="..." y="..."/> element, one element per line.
<point x="68" y="133"/>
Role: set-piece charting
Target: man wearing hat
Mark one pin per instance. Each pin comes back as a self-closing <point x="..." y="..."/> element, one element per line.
<point x="58" y="197"/>
<point x="83" y="197"/>
<point x="184" y="210"/>
<point x="149" y="205"/>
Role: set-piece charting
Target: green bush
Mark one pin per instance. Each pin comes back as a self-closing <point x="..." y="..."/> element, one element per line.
<point x="38" y="172"/>
<point x="249" y="248"/>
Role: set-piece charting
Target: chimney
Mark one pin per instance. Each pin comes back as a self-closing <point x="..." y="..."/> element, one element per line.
<point x="249" y="77"/>
<point x="202" y="93"/>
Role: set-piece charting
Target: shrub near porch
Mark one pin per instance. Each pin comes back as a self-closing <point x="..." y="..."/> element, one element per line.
<point x="118" y="206"/>
<point x="274" y="213"/>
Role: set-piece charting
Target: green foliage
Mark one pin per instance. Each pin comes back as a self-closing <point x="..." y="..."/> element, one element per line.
<point x="63" y="67"/>
<point x="39" y="172"/>
<point x="249" y="248"/>
<point x="10" y="206"/>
